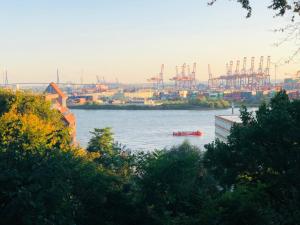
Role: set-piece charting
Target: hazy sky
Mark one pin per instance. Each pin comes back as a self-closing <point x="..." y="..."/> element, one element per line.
<point x="129" y="39"/>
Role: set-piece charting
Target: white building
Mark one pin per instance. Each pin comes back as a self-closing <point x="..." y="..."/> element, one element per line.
<point x="223" y="124"/>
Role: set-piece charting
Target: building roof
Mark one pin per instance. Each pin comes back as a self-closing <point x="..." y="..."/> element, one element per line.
<point x="57" y="90"/>
<point x="69" y="117"/>
<point x="50" y="96"/>
<point x="230" y="118"/>
<point x="62" y="109"/>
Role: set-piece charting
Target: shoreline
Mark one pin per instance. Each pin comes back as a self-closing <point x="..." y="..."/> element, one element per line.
<point x="143" y="107"/>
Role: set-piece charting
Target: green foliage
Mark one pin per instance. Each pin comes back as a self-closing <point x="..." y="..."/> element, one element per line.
<point x="56" y="187"/>
<point x="199" y="102"/>
<point x="281" y="6"/>
<point x="172" y="185"/>
<point x="45" y="180"/>
<point x="252" y="179"/>
<point x="6" y="100"/>
<point x="25" y="103"/>
<point x="102" y="141"/>
<point x="243" y="206"/>
<point x="28" y="123"/>
<point x="34" y="189"/>
<point x="265" y="149"/>
<point x="210" y="103"/>
<point x="111" y="155"/>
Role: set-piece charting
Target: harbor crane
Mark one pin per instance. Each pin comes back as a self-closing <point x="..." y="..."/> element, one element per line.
<point x="187" y="78"/>
<point x="158" y="81"/>
<point x="250" y="80"/>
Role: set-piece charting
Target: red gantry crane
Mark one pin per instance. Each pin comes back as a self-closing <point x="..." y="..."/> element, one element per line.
<point x="158" y="81"/>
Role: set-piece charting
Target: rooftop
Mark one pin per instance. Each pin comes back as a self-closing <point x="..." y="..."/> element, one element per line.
<point x="230" y="118"/>
<point x="57" y="90"/>
<point x="69" y="117"/>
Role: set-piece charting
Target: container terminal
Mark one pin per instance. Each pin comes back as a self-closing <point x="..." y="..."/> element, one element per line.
<point x="242" y="82"/>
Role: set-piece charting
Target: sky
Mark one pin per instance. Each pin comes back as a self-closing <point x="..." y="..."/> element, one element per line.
<point x="130" y="39"/>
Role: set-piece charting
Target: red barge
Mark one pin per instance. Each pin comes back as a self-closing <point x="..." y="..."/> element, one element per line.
<point x="188" y="133"/>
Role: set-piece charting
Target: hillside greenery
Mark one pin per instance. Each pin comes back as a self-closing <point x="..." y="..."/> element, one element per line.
<point x="180" y="104"/>
<point x="252" y="179"/>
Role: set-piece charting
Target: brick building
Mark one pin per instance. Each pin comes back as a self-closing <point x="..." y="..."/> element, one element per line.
<point x="59" y="101"/>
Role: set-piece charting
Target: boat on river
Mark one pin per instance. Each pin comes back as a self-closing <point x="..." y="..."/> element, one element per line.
<point x="187" y="133"/>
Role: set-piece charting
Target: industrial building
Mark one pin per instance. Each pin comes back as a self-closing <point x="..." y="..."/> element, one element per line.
<point x="139" y="94"/>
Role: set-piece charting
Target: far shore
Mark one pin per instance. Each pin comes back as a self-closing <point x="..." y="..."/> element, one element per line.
<point x="144" y="107"/>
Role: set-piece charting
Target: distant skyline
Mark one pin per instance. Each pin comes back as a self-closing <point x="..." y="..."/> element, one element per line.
<point x="130" y="39"/>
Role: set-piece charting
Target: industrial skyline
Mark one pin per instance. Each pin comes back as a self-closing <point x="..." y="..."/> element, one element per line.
<point x="240" y="75"/>
<point x="129" y="40"/>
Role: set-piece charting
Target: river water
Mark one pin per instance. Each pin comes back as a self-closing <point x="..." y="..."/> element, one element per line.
<point x="148" y="129"/>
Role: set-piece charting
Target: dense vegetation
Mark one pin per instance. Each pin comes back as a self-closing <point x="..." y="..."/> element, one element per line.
<point x="253" y="179"/>
<point x="209" y="103"/>
<point x="185" y="104"/>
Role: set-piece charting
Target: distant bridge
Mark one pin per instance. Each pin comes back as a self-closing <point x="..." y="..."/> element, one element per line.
<point x="73" y="86"/>
<point x="46" y="83"/>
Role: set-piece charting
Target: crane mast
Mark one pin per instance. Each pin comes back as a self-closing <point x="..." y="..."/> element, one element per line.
<point x="244" y="70"/>
<point x="243" y="78"/>
<point x="261" y="64"/>
<point x="237" y="68"/>
<point x="252" y="65"/>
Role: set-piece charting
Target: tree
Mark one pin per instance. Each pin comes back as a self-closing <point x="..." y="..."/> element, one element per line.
<point x="243" y="206"/>
<point x="27" y="123"/>
<point x="35" y="189"/>
<point x="102" y="142"/>
<point x="172" y="186"/>
<point x="55" y="187"/>
<point x="44" y="179"/>
<point x="25" y="102"/>
<point x="264" y="150"/>
<point x="252" y="179"/>
<point x="34" y="186"/>
<point x="281" y="6"/>
<point x="110" y="154"/>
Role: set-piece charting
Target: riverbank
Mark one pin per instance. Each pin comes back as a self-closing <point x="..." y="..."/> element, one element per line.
<point x="144" y="107"/>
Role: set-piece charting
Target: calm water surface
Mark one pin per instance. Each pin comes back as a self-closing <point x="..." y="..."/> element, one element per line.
<point x="148" y="130"/>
